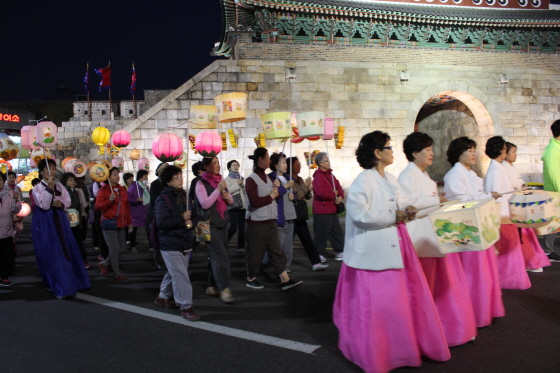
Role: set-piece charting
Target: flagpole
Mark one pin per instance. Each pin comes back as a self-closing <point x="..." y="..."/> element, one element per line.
<point x="133" y="91"/>
<point x="110" y="106"/>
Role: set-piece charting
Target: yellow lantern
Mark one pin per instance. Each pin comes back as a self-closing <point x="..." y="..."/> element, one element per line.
<point x="260" y="140"/>
<point x="100" y="137"/>
<point x="231" y="107"/>
<point x="224" y="141"/>
<point x="233" y="138"/>
<point x="203" y="116"/>
<point x="339" y="137"/>
<point x="277" y="125"/>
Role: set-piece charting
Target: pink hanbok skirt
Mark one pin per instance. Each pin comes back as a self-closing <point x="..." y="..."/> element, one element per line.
<point x="448" y="285"/>
<point x="511" y="265"/>
<point x="532" y="251"/>
<point x="387" y="319"/>
<point x="481" y="272"/>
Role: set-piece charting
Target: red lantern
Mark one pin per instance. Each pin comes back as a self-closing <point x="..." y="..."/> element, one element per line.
<point x="208" y="143"/>
<point x="25" y="210"/>
<point x="121" y="139"/>
<point x="168" y="147"/>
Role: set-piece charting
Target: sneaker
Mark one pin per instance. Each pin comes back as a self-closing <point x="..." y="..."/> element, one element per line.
<point x="254" y="284"/>
<point x="319" y="267"/>
<point x="538" y="270"/>
<point x="87" y="265"/>
<point x="338" y="257"/>
<point x="226" y="296"/>
<point x="127" y="243"/>
<point x="166" y="303"/>
<point x="103" y="268"/>
<point x="212" y="291"/>
<point x="120" y="279"/>
<point x="323" y="259"/>
<point x="241" y="251"/>
<point x="290" y="284"/>
<point x="189" y="314"/>
<point x="133" y="250"/>
<point x="553" y="257"/>
<point x="6" y="282"/>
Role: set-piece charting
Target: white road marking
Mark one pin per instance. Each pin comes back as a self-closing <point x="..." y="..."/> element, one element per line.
<point x="250" y="336"/>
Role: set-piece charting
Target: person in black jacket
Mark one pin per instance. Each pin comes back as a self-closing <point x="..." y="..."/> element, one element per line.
<point x="175" y="230"/>
<point x="156" y="187"/>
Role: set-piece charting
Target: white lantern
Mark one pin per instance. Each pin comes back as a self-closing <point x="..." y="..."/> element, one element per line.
<point x="311" y="123"/>
<point x="531" y="209"/>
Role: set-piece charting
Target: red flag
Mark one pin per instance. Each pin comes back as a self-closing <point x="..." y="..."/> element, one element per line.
<point x="105" y="75"/>
<point x="133" y="84"/>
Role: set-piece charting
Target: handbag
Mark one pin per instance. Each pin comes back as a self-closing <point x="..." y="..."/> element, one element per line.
<point x="340" y="208"/>
<point x="202" y="231"/>
<point x="237" y="202"/>
<point x="302" y="213"/>
<point x="111" y="224"/>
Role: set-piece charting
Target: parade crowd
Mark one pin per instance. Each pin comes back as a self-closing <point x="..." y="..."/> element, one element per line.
<point x="398" y="297"/>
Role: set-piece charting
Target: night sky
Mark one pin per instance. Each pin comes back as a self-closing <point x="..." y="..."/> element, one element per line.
<point x="45" y="43"/>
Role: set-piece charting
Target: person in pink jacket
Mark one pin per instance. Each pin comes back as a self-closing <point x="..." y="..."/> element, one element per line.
<point x="327" y="195"/>
<point x="8" y="207"/>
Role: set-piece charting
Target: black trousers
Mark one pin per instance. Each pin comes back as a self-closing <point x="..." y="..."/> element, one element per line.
<point x="302" y="231"/>
<point x="237" y="224"/>
<point x="103" y="248"/>
<point x="327" y="227"/>
<point x="7" y="257"/>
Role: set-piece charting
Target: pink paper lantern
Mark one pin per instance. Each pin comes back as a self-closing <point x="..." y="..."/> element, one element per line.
<point x="46" y="134"/>
<point x="208" y="143"/>
<point x="144" y="164"/>
<point x="25" y="210"/>
<point x="28" y="138"/>
<point x="121" y="139"/>
<point x="329" y="129"/>
<point x="118" y="162"/>
<point x="167" y="147"/>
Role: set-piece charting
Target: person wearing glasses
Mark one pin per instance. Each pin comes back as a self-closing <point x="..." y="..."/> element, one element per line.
<point x="327" y="195"/>
<point x="213" y="197"/>
<point x="383" y="308"/>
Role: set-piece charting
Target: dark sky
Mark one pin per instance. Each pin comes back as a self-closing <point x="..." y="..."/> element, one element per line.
<point x="46" y="42"/>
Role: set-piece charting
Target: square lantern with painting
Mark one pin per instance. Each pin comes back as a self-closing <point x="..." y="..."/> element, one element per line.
<point x="277" y="125"/>
<point x="554" y="225"/>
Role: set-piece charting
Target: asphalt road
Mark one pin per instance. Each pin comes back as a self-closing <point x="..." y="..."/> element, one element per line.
<point x="293" y="329"/>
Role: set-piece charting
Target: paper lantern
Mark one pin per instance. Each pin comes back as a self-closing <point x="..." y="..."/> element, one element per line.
<point x="554" y="225"/>
<point x="5" y="166"/>
<point x="120" y="139"/>
<point x="46" y="134"/>
<point x="77" y="167"/>
<point x="100" y="137"/>
<point x="224" y="141"/>
<point x="107" y="164"/>
<point x="37" y="156"/>
<point x="66" y="160"/>
<point x="531" y="209"/>
<point x="192" y="141"/>
<point x="231" y="107"/>
<point x="296" y="138"/>
<point x="29" y="138"/>
<point x="25" y="210"/>
<point x="73" y="217"/>
<point x="135" y="154"/>
<point x="99" y="173"/>
<point x="144" y="164"/>
<point x="203" y="116"/>
<point x="277" y="125"/>
<point x="339" y="137"/>
<point x="328" y="131"/>
<point x="20" y="178"/>
<point x="260" y="141"/>
<point x="90" y="165"/>
<point x="181" y="162"/>
<point x="8" y="149"/>
<point x="208" y="143"/>
<point x="167" y="147"/>
<point x="233" y="138"/>
<point x="310" y="123"/>
<point x="311" y="160"/>
<point x="467" y="226"/>
<point x="118" y="162"/>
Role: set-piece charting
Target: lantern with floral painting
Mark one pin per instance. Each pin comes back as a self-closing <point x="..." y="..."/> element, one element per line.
<point x="554" y="226"/>
<point x="328" y="130"/>
<point x="100" y="137"/>
<point x="208" y="143"/>
<point x="231" y="107"/>
<point x="120" y="139"/>
<point x="310" y="123"/>
<point x="38" y="155"/>
<point x="532" y="209"/>
<point x="25" y="210"/>
<point x="181" y="162"/>
<point x="28" y="137"/>
<point x="66" y="160"/>
<point x="46" y="134"/>
<point x="277" y="125"/>
<point x="118" y="162"/>
<point x="77" y="167"/>
<point x="203" y="116"/>
<point x="144" y="164"/>
<point x="167" y="147"/>
<point x="8" y="149"/>
<point x="99" y="173"/>
<point x="135" y="154"/>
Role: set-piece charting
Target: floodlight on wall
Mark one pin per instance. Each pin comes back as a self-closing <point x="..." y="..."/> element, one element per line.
<point x="291" y="73"/>
<point x="403" y="76"/>
<point x="503" y="79"/>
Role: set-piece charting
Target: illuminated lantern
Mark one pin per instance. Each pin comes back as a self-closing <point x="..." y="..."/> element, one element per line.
<point x="260" y="141"/>
<point x="144" y="164"/>
<point x="5" y="166"/>
<point x="339" y="137"/>
<point x="25" y="210"/>
<point x="231" y="107"/>
<point x="192" y="141"/>
<point x="77" y="167"/>
<point x="466" y="226"/>
<point x="167" y="147"/>
<point x="328" y="133"/>
<point x="66" y="160"/>
<point x="208" y="143"/>
<point x="99" y="173"/>
<point x="28" y="137"/>
<point x="8" y="149"/>
<point x="100" y="137"/>
<point x="182" y="161"/>
<point x="37" y="155"/>
<point x="135" y="154"/>
<point x="118" y="162"/>
<point x="233" y="138"/>
<point x="277" y="125"/>
<point x="310" y="123"/>
<point x="203" y="116"/>
<point x="532" y="209"/>
<point x="120" y="139"/>
<point x="46" y="134"/>
<point x="554" y="225"/>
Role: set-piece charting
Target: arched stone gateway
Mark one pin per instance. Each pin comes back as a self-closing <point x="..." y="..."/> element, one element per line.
<point x="478" y="106"/>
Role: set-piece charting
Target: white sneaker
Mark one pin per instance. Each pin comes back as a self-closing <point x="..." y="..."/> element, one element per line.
<point x="538" y="270"/>
<point x="338" y="257"/>
<point x="319" y="267"/>
<point x="323" y="259"/>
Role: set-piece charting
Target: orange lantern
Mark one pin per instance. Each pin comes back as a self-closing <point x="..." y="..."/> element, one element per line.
<point x="99" y="173"/>
<point x="135" y="154"/>
<point x="66" y="160"/>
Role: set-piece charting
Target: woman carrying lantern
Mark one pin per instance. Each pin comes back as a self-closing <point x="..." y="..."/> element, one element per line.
<point x="444" y="273"/>
<point x="139" y="201"/>
<point x="12" y="185"/>
<point x="480" y="267"/>
<point x="58" y="256"/>
<point x="8" y="207"/>
<point x="212" y="198"/>
<point x="383" y="308"/>
<point x="535" y="258"/>
<point x="76" y="202"/>
<point x="511" y="265"/>
<point x="236" y="187"/>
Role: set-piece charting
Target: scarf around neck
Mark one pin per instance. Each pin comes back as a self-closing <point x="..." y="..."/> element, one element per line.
<point x="214" y="180"/>
<point x="234" y="175"/>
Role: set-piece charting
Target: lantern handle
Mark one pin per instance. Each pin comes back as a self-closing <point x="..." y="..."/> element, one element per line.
<point x="516" y="190"/>
<point x="437" y="204"/>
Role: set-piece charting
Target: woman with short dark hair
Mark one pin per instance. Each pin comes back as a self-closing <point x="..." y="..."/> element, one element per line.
<point x="236" y="187"/>
<point x="69" y="181"/>
<point x="8" y="207"/>
<point x="139" y="201"/>
<point x="383" y="309"/>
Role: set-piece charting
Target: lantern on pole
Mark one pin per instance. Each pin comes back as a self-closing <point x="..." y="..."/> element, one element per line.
<point x="29" y="138"/>
<point x="100" y="137"/>
<point x="328" y="133"/>
<point x="203" y="116"/>
<point x="120" y="139"/>
<point x="8" y="149"/>
<point x="99" y="173"/>
<point x="231" y="107"/>
<point x="144" y="164"/>
<point x="310" y="123"/>
<point x="181" y="162"/>
<point x="75" y="166"/>
<point x="208" y="143"/>
<point x="167" y="147"/>
<point x="25" y="210"/>
<point x="135" y="154"/>
<point x="118" y="162"/>
<point x="46" y="134"/>
<point x="277" y="125"/>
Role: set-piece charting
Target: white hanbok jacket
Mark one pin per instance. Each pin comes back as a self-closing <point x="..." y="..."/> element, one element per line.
<point x="497" y="180"/>
<point x="420" y="190"/>
<point x="463" y="184"/>
<point x="372" y="240"/>
<point x="514" y="175"/>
